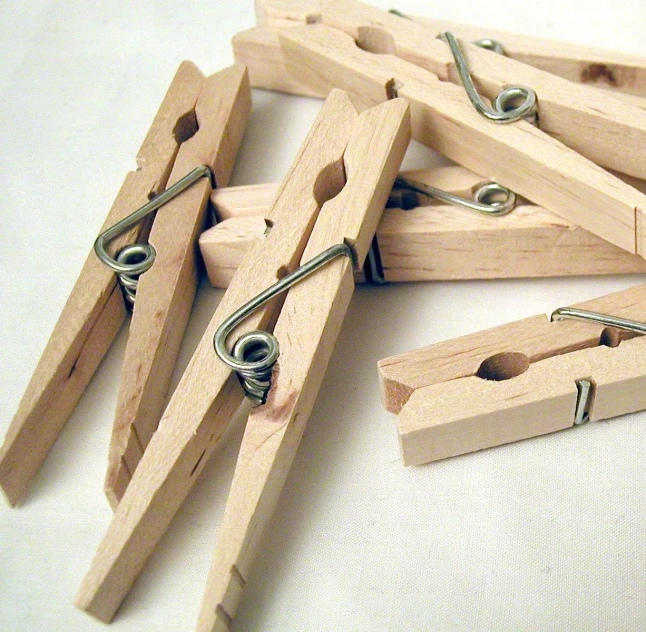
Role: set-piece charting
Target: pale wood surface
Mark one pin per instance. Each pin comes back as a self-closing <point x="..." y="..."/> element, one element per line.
<point x="518" y="156"/>
<point x="246" y="200"/>
<point x="435" y="241"/>
<point x="95" y="309"/>
<point x="497" y="396"/>
<point x="308" y="327"/>
<point x="471" y="413"/>
<point x="259" y="49"/>
<point x="165" y="292"/>
<point x="208" y="393"/>
<point x="592" y="122"/>
<point x="612" y="70"/>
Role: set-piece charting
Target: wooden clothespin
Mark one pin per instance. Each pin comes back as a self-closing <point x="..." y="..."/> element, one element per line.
<point x="520" y="380"/>
<point x="196" y="132"/>
<point x="421" y="238"/>
<point x="518" y="156"/>
<point x="329" y="203"/>
<point x="621" y="73"/>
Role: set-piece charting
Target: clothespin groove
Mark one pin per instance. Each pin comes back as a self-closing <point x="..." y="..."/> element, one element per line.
<point x="166" y="291"/>
<point x="552" y="175"/>
<point x="621" y="74"/>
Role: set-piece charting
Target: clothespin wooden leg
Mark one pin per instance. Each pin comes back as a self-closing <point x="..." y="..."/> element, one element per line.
<point x="208" y="394"/>
<point x="310" y="320"/>
<point x="165" y="292"/>
<point x="95" y="309"/>
<point x="515" y="381"/>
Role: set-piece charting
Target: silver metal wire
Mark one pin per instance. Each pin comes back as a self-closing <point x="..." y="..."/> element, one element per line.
<point x="135" y="259"/>
<point x="506" y="108"/>
<point x="490" y="198"/>
<point x="254" y="354"/>
<point x="490" y="44"/>
<point x="610" y="321"/>
<point x="585" y="392"/>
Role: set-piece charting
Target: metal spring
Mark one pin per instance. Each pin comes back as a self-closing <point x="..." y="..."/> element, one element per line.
<point x="504" y="110"/>
<point x="133" y="260"/>
<point x="485" y="197"/>
<point x="490" y="44"/>
<point x="255" y="353"/>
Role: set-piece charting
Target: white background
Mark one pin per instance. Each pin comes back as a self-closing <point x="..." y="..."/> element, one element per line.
<point x="543" y="535"/>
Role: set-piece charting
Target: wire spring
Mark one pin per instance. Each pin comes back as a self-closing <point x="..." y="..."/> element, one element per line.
<point x="506" y="108"/>
<point x="490" y="198"/>
<point x="255" y="353"/>
<point x="133" y="260"/>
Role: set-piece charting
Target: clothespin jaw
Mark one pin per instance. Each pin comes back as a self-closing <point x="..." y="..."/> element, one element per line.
<point x="334" y="193"/>
<point x="566" y="110"/>
<point x="516" y="381"/>
<point x="621" y="74"/>
<point x="95" y="309"/>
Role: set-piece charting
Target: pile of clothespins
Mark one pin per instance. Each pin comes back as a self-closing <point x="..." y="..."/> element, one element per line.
<point x="550" y="179"/>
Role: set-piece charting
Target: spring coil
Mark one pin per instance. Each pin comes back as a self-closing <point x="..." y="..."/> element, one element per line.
<point x="132" y="261"/>
<point x="490" y="198"/>
<point x="137" y="258"/>
<point x="504" y="110"/>
<point x="255" y="353"/>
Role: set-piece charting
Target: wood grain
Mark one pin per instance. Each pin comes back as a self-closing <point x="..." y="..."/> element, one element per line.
<point x="308" y="326"/>
<point x="592" y="122"/>
<point x="514" y="381"/>
<point x="618" y="72"/>
<point x="434" y="241"/>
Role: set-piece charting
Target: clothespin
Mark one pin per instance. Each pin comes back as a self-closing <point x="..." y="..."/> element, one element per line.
<point x="518" y="156"/>
<point x="421" y="238"/>
<point x="328" y="205"/>
<point x="520" y="380"/>
<point x="620" y="73"/>
<point x="191" y="144"/>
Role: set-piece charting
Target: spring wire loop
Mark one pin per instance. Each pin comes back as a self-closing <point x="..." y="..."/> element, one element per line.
<point x="503" y="109"/>
<point x="485" y="197"/>
<point x="255" y="353"/>
<point x="135" y="259"/>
